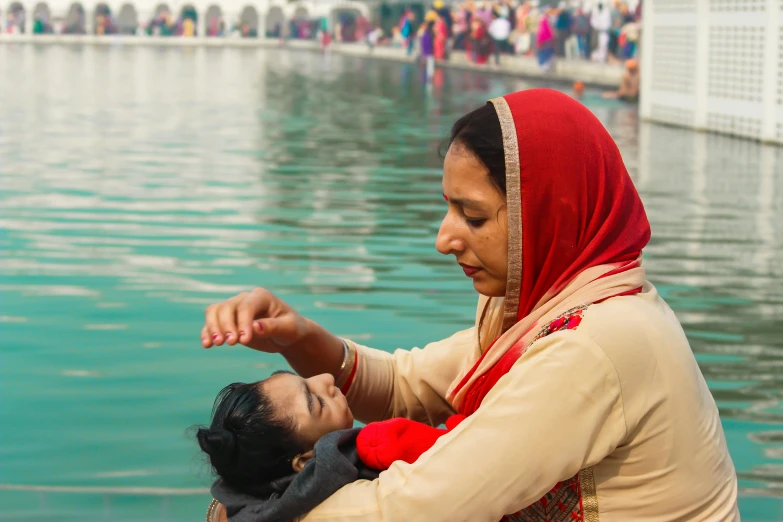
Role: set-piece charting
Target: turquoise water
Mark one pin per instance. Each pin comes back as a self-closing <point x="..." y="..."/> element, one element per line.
<point x="139" y="185"/>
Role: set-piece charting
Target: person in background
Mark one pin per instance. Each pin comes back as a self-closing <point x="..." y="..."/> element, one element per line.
<point x="619" y="14"/>
<point x="520" y="16"/>
<point x="214" y="26"/>
<point x="373" y="37"/>
<point x="521" y="37"/>
<point x="533" y="19"/>
<point x="601" y="22"/>
<point x="408" y="32"/>
<point x="629" y="38"/>
<point x="188" y="27"/>
<point x="580" y="28"/>
<point x="325" y="38"/>
<point x="545" y="42"/>
<point x="445" y="13"/>
<point x="500" y="30"/>
<point x="510" y="10"/>
<point x="480" y="42"/>
<point x="396" y="38"/>
<point x="427" y="44"/>
<point x="629" y="84"/>
<point x="460" y="29"/>
<point x="562" y="28"/>
<point x="579" y="90"/>
<point x="363" y="28"/>
<point x="39" y="26"/>
<point x="100" y="25"/>
<point x="441" y="29"/>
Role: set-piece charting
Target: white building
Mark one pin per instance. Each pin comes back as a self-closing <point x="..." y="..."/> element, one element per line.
<point x="714" y="65"/>
<point x="261" y="15"/>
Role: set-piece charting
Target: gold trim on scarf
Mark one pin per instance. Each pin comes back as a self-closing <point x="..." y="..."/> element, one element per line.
<point x="589" y="496"/>
<point x="513" y="210"/>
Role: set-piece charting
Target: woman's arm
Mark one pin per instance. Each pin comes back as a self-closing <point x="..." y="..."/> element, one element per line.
<point x="558" y="410"/>
<point x="407" y="384"/>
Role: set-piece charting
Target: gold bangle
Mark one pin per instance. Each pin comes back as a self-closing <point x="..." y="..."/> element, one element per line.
<point x="211" y="510"/>
<point x="348" y="363"/>
<point x="345" y="359"/>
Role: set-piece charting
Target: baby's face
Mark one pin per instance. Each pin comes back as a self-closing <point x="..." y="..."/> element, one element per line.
<point x="317" y="406"/>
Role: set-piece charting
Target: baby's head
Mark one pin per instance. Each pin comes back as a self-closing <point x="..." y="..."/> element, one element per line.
<point x="266" y="430"/>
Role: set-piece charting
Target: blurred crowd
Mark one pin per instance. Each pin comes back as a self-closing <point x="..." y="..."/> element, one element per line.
<point x="600" y="31"/>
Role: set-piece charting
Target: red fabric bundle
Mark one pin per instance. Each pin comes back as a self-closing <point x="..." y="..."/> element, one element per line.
<point x="379" y="444"/>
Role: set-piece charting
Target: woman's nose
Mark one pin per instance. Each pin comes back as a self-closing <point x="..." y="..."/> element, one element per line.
<point x="447" y="241"/>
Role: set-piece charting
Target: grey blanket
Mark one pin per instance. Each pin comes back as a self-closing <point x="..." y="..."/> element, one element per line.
<point x="335" y="463"/>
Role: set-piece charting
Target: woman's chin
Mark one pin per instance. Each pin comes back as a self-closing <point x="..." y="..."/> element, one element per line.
<point x="489" y="288"/>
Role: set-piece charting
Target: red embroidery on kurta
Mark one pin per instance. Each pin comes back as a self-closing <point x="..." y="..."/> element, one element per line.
<point x="562" y="504"/>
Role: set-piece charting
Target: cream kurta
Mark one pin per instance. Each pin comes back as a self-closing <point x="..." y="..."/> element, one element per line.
<point x="621" y="393"/>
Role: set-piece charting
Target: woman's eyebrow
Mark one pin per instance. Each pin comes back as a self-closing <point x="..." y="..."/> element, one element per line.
<point x="464" y="202"/>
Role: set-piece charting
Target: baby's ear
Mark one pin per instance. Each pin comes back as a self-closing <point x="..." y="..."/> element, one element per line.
<point x="300" y="460"/>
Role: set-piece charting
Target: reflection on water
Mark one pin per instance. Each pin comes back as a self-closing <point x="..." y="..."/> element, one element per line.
<point x="138" y="185"/>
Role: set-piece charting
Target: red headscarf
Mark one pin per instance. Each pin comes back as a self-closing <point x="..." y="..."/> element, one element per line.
<point x="579" y="206"/>
<point x="576" y="224"/>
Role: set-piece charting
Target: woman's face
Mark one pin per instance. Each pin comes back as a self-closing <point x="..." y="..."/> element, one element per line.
<point x="475" y="229"/>
<point x="316" y="405"/>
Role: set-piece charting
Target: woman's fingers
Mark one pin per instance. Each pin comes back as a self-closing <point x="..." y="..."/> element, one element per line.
<point x="206" y="338"/>
<point x="219" y="321"/>
<point x="227" y="319"/>
<point x="256" y="319"/>
<point x="254" y="306"/>
<point x="211" y="327"/>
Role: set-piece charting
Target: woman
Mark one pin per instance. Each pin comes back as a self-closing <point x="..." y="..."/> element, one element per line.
<point x="408" y="32"/>
<point x="480" y="42"/>
<point x="545" y="42"/>
<point x="583" y="399"/>
<point x="441" y="30"/>
<point x="461" y="29"/>
<point x="427" y="45"/>
<point x="521" y="32"/>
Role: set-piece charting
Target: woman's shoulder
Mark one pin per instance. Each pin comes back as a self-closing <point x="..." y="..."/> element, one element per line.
<point x="638" y="335"/>
<point x="640" y="321"/>
<point x="644" y="341"/>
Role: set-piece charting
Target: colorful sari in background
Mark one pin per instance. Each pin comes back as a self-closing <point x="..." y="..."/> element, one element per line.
<point x="545" y="42"/>
<point x="480" y="42"/>
<point x="441" y="37"/>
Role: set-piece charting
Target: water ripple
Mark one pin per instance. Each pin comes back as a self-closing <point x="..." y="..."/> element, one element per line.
<point x="139" y="185"/>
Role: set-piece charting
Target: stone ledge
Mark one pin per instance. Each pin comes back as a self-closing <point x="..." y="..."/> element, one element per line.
<point x="590" y="73"/>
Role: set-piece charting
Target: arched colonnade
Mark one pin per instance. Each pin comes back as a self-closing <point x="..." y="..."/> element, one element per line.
<point x="205" y="17"/>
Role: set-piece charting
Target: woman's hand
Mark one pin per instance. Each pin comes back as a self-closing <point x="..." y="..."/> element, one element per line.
<point x="257" y="319"/>
<point x="264" y="322"/>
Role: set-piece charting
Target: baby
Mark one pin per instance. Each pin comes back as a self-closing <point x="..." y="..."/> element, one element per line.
<point x="283" y="445"/>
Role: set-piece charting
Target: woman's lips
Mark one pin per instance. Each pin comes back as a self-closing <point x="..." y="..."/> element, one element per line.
<point x="469" y="270"/>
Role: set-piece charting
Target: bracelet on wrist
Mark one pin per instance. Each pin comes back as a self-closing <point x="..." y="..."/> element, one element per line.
<point x="349" y="358"/>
